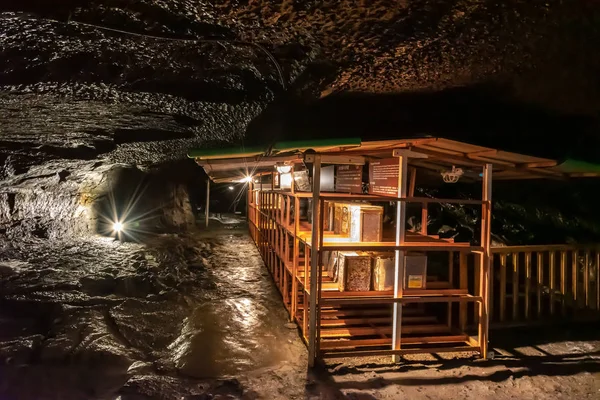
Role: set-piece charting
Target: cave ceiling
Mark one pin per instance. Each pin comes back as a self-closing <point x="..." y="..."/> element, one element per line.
<point x="70" y="91"/>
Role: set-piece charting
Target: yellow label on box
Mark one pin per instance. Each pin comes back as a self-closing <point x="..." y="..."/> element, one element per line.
<point x="415" y="281"/>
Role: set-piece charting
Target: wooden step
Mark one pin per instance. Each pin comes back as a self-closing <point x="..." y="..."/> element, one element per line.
<point x="330" y="322"/>
<point x="384" y="330"/>
<point x="352" y="343"/>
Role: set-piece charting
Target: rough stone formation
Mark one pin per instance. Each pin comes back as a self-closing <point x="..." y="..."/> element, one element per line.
<point x="76" y="98"/>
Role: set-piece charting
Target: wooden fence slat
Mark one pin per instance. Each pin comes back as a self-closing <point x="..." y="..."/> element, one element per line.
<point x="540" y="282"/>
<point x="597" y="280"/>
<point x="574" y="276"/>
<point x="552" y="272"/>
<point x="527" y="282"/>
<point x="563" y="281"/>
<point x="586" y="278"/>
<point x="476" y="286"/>
<point x="502" y="288"/>
<point x="515" y="286"/>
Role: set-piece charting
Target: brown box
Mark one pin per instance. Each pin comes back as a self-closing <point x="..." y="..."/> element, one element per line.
<point x="354" y="271"/>
<point x="383" y="271"/>
<point x="358" y="222"/>
<point x="415" y="267"/>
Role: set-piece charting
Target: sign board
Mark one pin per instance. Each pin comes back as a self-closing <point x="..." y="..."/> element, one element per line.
<point x="349" y="179"/>
<point x="383" y="177"/>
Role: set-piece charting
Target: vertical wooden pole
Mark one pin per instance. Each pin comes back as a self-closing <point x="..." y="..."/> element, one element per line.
<point x="597" y="279"/>
<point x="477" y="271"/>
<point x="424" y="218"/>
<point x="319" y="270"/>
<point x="552" y="267"/>
<point x="527" y="282"/>
<point x="502" y="287"/>
<point x="574" y="276"/>
<point x="399" y="273"/>
<point x="540" y="282"/>
<point x="485" y="260"/>
<point x="412" y="182"/>
<point x="563" y="282"/>
<point x="586" y="278"/>
<point x="315" y="251"/>
<point x="515" y="286"/>
<point x="296" y="257"/>
<point x="491" y="287"/>
<point x="206" y="210"/>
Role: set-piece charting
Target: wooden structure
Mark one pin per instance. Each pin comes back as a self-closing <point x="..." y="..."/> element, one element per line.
<point x="466" y="284"/>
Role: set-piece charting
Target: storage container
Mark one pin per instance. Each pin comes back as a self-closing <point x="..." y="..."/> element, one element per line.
<point x="354" y="271"/>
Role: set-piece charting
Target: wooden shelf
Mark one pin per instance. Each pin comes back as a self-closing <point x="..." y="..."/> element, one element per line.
<point x="360" y="323"/>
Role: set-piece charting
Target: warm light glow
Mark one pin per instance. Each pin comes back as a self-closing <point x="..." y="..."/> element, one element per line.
<point x="285" y="181"/>
<point x="117" y="226"/>
<point x="231" y="188"/>
<point x="247" y="179"/>
<point x="284" y="169"/>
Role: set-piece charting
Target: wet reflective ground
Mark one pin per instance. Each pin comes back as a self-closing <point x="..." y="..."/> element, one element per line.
<point x="196" y="317"/>
<point x="170" y="318"/>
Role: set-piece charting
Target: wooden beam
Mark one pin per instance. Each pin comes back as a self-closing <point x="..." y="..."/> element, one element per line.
<point x="399" y="274"/>
<point x="485" y="260"/>
<point x="312" y="324"/>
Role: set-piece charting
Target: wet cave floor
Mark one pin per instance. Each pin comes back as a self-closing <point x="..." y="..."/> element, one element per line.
<point x="196" y="316"/>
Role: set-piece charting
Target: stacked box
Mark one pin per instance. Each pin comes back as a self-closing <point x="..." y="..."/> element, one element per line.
<point x="383" y="271"/>
<point x="332" y="265"/>
<point x="354" y="271"/>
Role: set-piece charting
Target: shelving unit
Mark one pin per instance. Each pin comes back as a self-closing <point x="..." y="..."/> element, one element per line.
<point x="451" y="312"/>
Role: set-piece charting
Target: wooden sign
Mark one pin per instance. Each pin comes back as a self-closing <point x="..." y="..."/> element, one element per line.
<point x="383" y="177"/>
<point x="348" y="179"/>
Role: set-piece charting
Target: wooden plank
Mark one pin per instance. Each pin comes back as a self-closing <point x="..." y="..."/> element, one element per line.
<point x="552" y="273"/>
<point x="477" y="286"/>
<point x="540" y="282"/>
<point x="515" y="287"/>
<point x="502" y="287"/>
<point x="351" y="331"/>
<point x="574" y="276"/>
<point x="404" y="300"/>
<point x="586" y="278"/>
<point x="374" y="353"/>
<point x="485" y="276"/>
<point x="527" y="283"/>
<point x="563" y="281"/>
<point x="343" y="344"/>
<point x="597" y="280"/>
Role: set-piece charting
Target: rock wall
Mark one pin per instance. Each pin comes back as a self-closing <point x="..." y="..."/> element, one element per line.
<point x="83" y="198"/>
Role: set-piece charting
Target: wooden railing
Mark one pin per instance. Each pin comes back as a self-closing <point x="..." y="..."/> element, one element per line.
<point x="539" y="283"/>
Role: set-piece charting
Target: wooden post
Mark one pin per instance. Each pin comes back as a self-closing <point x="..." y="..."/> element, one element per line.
<point x="552" y="267"/>
<point x="515" y="287"/>
<point x="563" y="281"/>
<point x="597" y="280"/>
<point x="485" y="260"/>
<point x="399" y="273"/>
<point x="315" y="251"/>
<point x="207" y="202"/>
<point x="424" y="219"/>
<point x="575" y="276"/>
<point x="540" y="282"/>
<point x="527" y="282"/>
<point x="586" y="278"/>
<point x="502" y="289"/>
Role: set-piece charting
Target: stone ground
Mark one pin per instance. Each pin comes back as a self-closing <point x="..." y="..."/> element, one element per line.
<point x="196" y="317"/>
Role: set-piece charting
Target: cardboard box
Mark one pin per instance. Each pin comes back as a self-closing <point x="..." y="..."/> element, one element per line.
<point x="354" y="271"/>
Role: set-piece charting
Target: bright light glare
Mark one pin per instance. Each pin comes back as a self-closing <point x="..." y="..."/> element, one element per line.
<point x="247" y="179"/>
<point x="230" y="187"/>
<point x="284" y="169"/>
<point x="117" y="226"/>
